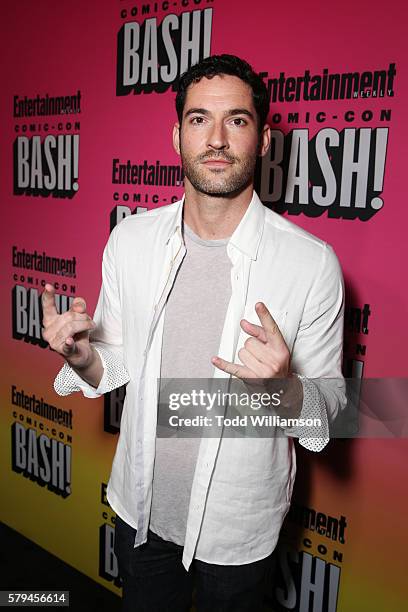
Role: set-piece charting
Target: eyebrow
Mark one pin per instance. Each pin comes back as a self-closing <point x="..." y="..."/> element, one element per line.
<point x="228" y="113"/>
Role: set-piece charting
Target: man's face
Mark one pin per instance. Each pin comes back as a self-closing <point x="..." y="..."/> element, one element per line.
<point x="219" y="140"/>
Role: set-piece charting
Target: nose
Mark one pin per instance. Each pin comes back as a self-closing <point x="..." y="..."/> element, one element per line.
<point x="217" y="137"/>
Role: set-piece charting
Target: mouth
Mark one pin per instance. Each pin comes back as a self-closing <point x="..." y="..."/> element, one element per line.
<point x="217" y="163"/>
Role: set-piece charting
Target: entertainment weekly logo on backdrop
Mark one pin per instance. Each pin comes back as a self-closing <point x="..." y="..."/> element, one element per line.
<point x="108" y="563"/>
<point x="331" y="85"/>
<point x="340" y="168"/>
<point x="309" y="578"/>
<point x="356" y="331"/>
<point x="140" y="183"/>
<point x="31" y="269"/>
<point x="46" y="164"/>
<point x="356" y="343"/>
<point x="153" y="53"/>
<point x="41" y="446"/>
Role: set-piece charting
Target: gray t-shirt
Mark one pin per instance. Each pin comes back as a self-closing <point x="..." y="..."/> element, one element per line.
<point x="194" y="319"/>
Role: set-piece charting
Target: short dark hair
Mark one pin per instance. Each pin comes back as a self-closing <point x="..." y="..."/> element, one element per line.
<point x="225" y="64"/>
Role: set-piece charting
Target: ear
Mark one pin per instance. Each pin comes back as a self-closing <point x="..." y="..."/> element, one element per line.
<point x="176" y="137"/>
<point x="264" y="140"/>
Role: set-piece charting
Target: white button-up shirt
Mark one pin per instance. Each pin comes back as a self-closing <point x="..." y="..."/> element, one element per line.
<point x="242" y="487"/>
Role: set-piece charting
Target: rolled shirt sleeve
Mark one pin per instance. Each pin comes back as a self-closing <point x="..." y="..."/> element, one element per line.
<point x="317" y="354"/>
<point x="312" y="437"/>
<point x="106" y="337"/>
<point x="114" y="375"/>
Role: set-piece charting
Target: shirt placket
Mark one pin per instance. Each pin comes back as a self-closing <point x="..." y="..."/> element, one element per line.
<point x="177" y="254"/>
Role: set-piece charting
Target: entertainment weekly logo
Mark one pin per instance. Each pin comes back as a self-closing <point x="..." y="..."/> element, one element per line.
<point x="30" y="269"/>
<point x="41" y="441"/>
<point x="331" y="85"/>
<point x="338" y="170"/>
<point x="46" y="163"/>
<point x="108" y="563"/>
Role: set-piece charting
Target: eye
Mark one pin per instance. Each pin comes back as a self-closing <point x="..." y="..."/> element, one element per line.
<point x="197" y="120"/>
<point x="239" y="120"/>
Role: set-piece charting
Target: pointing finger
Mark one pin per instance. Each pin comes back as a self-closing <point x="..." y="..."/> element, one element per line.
<point x="48" y="301"/>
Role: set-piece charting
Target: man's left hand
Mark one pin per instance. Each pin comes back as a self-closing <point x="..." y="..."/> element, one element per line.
<point x="264" y="355"/>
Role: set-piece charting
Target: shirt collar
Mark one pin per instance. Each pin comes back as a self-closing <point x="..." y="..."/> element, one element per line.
<point x="247" y="235"/>
<point x="177" y="220"/>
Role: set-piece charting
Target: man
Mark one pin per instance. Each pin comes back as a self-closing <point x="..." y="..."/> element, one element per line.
<point x="212" y="286"/>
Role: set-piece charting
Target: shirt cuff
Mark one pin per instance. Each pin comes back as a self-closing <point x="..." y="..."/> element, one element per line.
<point x="314" y="437"/>
<point x="114" y="375"/>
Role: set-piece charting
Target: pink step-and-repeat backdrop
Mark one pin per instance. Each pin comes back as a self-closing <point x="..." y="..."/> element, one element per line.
<point x="87" y="107"/>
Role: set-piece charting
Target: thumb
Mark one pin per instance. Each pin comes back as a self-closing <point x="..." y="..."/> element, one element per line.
<point x="68" y="348"/>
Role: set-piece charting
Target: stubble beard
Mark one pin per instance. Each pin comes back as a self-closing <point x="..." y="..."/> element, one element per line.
<point x="218" y="182"/>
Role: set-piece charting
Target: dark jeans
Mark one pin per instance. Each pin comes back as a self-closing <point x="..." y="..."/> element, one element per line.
<point x="155" y="580"/>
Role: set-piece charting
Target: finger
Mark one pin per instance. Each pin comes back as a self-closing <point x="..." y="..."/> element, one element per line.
<point x="268" y="323"/>
<point x="78" y="316"/>
<point x="263" y="352"/>
<point x="254" y="330"/>
<point x="232" y="368"/>
<point x="262" y="370"/>
<point x="48" y="302"/>
<point x="251" y="362"/>
<point x="78" y="305"/>
<point x="68" y="348"/>
<point x="70" y="329"/>
<point x="67" y="317"/>
<point x="70" y="315"/>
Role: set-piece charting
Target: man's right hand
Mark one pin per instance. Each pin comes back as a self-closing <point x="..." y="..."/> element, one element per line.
<point x="67" y="333"/>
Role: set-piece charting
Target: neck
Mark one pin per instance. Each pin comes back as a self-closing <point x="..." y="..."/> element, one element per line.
<point x="213" y="218"/>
